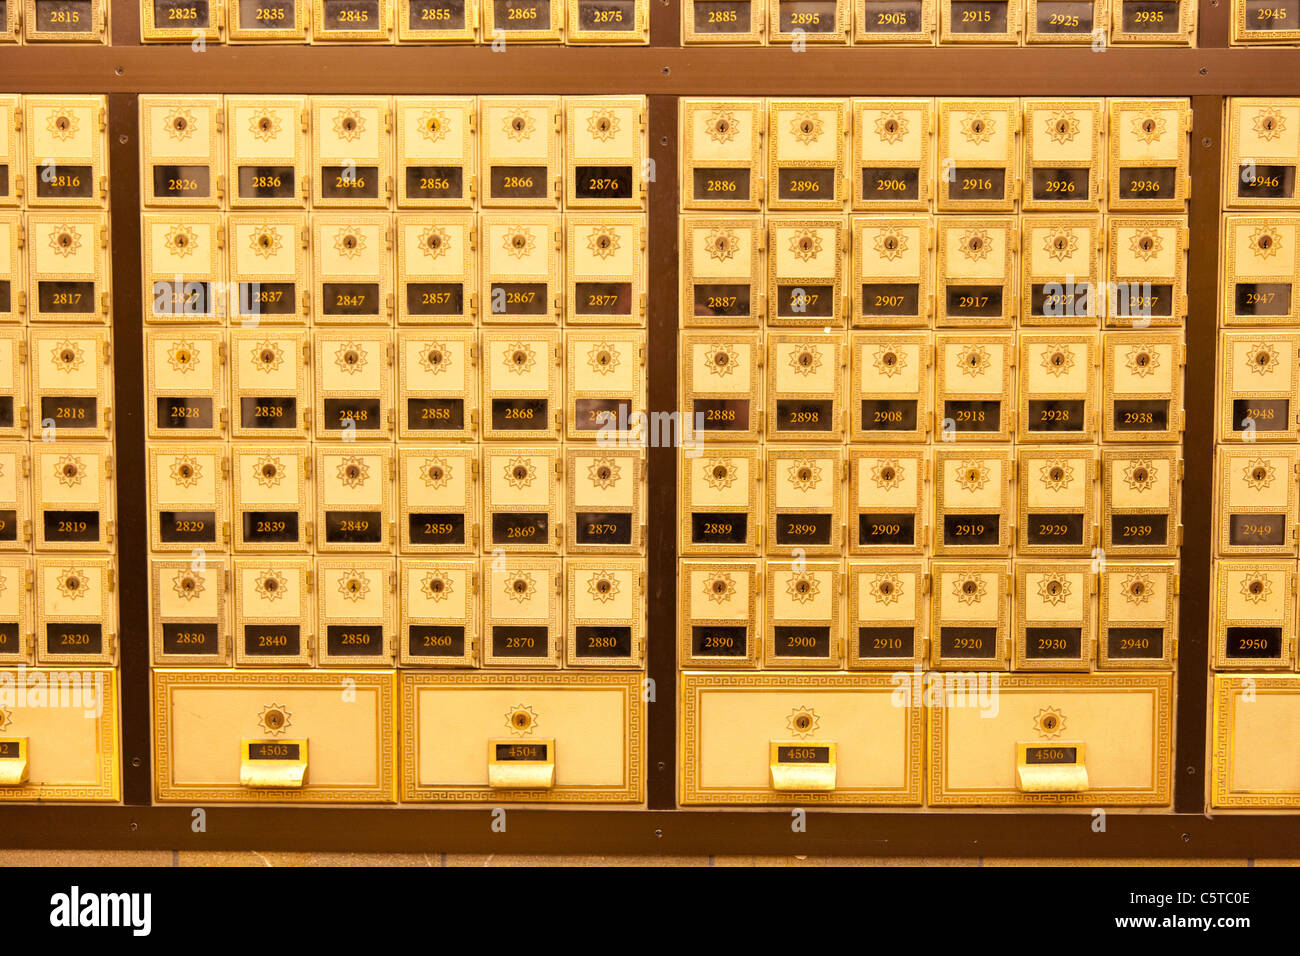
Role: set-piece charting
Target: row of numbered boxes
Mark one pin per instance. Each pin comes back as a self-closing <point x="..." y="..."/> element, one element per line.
<point x="53" y="149"/>
<point x="945" y="21"/>
<point x="948" y="271"/>
<point x="373" y="151"/>
<point x="401" y="21"/>
<point x="524" y="737"/>
<point x="958" y="387"/>
<point x="1061" y="501"/>
<point x="359" y="384"/>
<point x="434" y="268"/>
<point x="423" y="499"/>
<point x="963" y="155"/>
<point x="999" y="615"/>
<point x="940" y="738"/>
<point x="368" y="611"/>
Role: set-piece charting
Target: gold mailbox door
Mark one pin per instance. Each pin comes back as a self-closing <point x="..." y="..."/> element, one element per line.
<point x="722" y="148"/>
<point x="973" y="386"/>
<point x="354" y="497"/>
<point x="1056" y="623"/>
<point x="605" y="269"/>
<point x="1138" y="615"/>
<point x="437" y="501"/>
<point x="520" y="142"/>
<point x="805" y="500"/>
<point x="805" y="387"/>
<point x="1147" y="274"/>
<point x="73" y="496"/>
<point x="183" y="141"/>
<point x="521" y="384"/>
<point x="888" y="490"/>
<point x="267" y="143"/>
<point x="522" y="612"/>
<point x="439" y="613"/>
<point x="269" y="276"/>
<point x="718" y="614"/>
<point x="352" y="268"/>
<point x="724" y="281"/>
<point x="65" y="137"/>
<point x="272" y="497"/>
<point x="978" y="149"/>
<point x="804" y="626"/>
<point x="976" y="278"/>
<point x="1148" y="154"/>
<point x="1058" y="387"/>
<point x="354" y="384"/>
<point x="68" y="276"/>
<point x="604" y="612"/>
<point x="184" y="266"/>
<point x="604" y="510"/>
<point x="1261" y="264"/>
<point x="522" y="268"/>
<point x="437" y="268"/>
<point x="1143" y="386"/>
<point x="805" y="264"/>
<point x="188" y="489"/>
<point x="437" y="384"/>
<point x="887" y="610"/>
<point x="274" y="611"/>
<point x="890" y="391"/>
<point x="1057" y="513"/>
<point x="893" y="140"/>
<point x="970" y="619"/>
<point x="190" y="612"/>
<point x="521" y="498"/>
<point x="1061" y="276"/>
<point x="973" y="514"/>
<point x="1263" y="135"/>
<point x="437" y="142"/>
<point x="1259" y="385"/>
<point x="357" y="608"/>
<point x="16" y="606"/>
<point x="76" y="611"/>
<point x="721" y="500"/>
<point x="806" y="153"/>
<point x="893" y="272"/>
<point x="352" y="146"/>
<point x="604" y="151"/>
<point x="71" y="383"/>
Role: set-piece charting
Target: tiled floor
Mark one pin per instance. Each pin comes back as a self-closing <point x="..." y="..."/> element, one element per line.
<point x="254" y="858"/>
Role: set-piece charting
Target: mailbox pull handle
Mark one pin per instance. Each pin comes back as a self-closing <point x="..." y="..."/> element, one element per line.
<point x="521" y="764"/>
<point x="1051" y="768"/>
<point x="273" y="764"/>
<point x="802" y="766"/>
<point x="13" y="761"/>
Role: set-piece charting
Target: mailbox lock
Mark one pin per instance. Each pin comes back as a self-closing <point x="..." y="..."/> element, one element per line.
<point x="65" y="126"/>
<point x="521" y="720"/>
<point x="1048" y="721"/>
<point x="802" y="722"/>
<point x="603" y="472"/>
<point x="435" y="474"/>
<point x="1056" y="473"/>
<point x="187" y="586"/>
<point x="274" y="719"/>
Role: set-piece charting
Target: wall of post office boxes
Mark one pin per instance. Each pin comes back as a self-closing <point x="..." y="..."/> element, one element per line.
<point x="395" y="363"/>
<point x="931" y="364"/>
<point x="58" y="609"/>
<point x="1253" y="627"/>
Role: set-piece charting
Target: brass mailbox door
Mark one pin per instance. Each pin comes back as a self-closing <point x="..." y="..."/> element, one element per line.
<point x="973" y="386"/>
<point x="718" y="614"/>
<point x="893" y="140"/>
<point x="1140" y="21"/>
<point x="1148" y="154"/>
<point x="1259" y="386"/>
<point x="1142" y="386"/>
<point x="1147" y="274"/>
<point x="13" y="382"/>
<point x="437" y="384"/>
<point x="351" y="143"/>
<point x="806" y="152"/>
<point x="521" y="384"/>
<point x="721" y="500"/>
<point x="67" y="275"/>
<point x="1254" y="616"/>
<point x="723" y="21"/>
<point x="1056" y="620"/>
<point x="72" y="495"/>
<point x="1062" y="141"/>
<point x="803" y="621"/>
<point x="354" y="497"/>
<point x="813" y="21"/>
<point x="978" y="149"/>
<point x="973" y="514"/>
<point x="1058" y="387"/>
<point x="522" y="612"/>
<point x="184" y="266"/>
<point x="1064" y="21"/>
<point x="604" y="612"/>
<point x="1260" y="266"/>
<point x="357" y="611"/>
<point x="893" y="271"/>
<point x="269" y="21"/>
<point x="605" y="269"/>
<point x="889" y="397"/>
<point x="520" y="143"/>
<point x="976" y="272"/>
<point x="895" y="21"/>
<point x="721" y="383"/>
<point x="76" y="611"/>
<point x="888" y="490"/>
<point x="1257" y="501"/>
<point x="524" y="21"/>
<point x="437" y="268"/>
<point x="724" y="279"/>
<point x="1253" y="765"/>
<point x="887" y="614"/>
<point x="351" y="20"/>
<point x="269" y="277"/>
<point x="274" y="611"/>
<point x="1140" y="499"/>
<point x="272" y="497"/>
<point x="270" y="387"/>
<point x="182" y="21"/>
<point x="605" y="379"/>
<point x="1138" y="616"/>
<point x="437" y="21"/>
<point x="183" y="140"/>
<point x="267" y="147"/>
<point x="71" y="383"/>
<point x="16" y="628"/>
<point x="1263" y="137"/>
<point x="15" y="497"/>
<point x="1061" y="273"/>
<point x="982" y="21"/>
<point x="354" y="384"/>
<point x="805" y="263"/>
<point x="970" y="617"/>
<point x="188" y="492"/>
<point x="805" y="500"/>
<point x="608" y="21"/>
<point x="1057" y="496"/>
<point x="190" y="612"/>
<point x="722" y="146"/>
<point x="352" y="268"/>
<point x="439" y="613"/>
<point x="437" y="141"/>
<point x="522" y="268"/>
<point x="66" y="164"/>
<point x="805" y="387"/>
<point x="521" y="498"/>
<point x="437" y="489"/>
<point x="604" y="151"/>
<point x="604" y="510"/>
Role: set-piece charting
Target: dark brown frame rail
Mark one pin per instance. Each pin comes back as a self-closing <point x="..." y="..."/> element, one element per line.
<point x="663" y="71"/>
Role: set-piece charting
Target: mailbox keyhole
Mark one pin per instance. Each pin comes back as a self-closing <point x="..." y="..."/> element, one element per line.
<point x="436" y="585"/>
<point x="976" y="244"/>
<point x="1142" y="360"/>
<point x="180" y="240"/>
<point x="602" y="358"/>
<point x="886" y="587"/>
<point x="65" y="239"/>
<point x="179" y="123"/>
<point x="719" y="587"/>
<point x="263" y="240"/>
<point x="1265" y="242"/>
<point x="805" y="359"/>
<point x="602" y="124"/>
<point x="270" y="584"/>
<point x="187" y="584"/>
<point x="720" y="472"/>
<point x="602" y="473"/>
<point x="267" y="356"/>
<point x="520" y="585"/>
<point x="806" y="126"/>
<point x="1058" y="358"/>
<point x="354" y="585"/>
<point x="887" y="474"/>
<point x="969" y="587"/>
<point x="603" y="587"/>
<point x="1256" y="587"/>
<point x="521" y="721"/>
<point x="68" y="355"/>
<point x="805" y="244"/>
<point x="353" y="471"/>
<point x="521" y="473"/>
<point x="518" y="242"/>
<point x="351" y="357"/>
<point x="1268" y="123"/>
<point x="62" y="123"/>
<point x="1263" y="358"/>
<point x="435" y="357"/>
<point x="891" y="243"/>
<point x="722" y="126"/>
<point x="802" y="587"/>
<point x="1259" y="474"/>
<point x="517" y="124"/>
<point x="721" y="243"/>
<point x="889" y="359"/>
<point x="1053" y="588"/>
<point x="268" y="470"/>
<point x="973" y="475"/>
<point x="1057" y="474"/>
<point x="802" y="722"/>
<point x="72" y="584"/>
<point x="185" y="471"/>
<point x="1145" y="243"/>
<point x="1049" y="722"/>
<point x="349" y="242"/>
<point x="349" y="124"/>
<point x="274" y="719"/>
<point x="1137" y="588"/>
<point x="1140" y="474"/>
<point x="1060" y="242"/>
<point x="433" y="125"/>
<point x="70" y="470"/>
<point x="891" y="126"/>
<point x="435" y="473"/>
<point x="720" y="358"/>
<point x="1062" y="127"/>
<point x="1148" y="126"/>
<point x="435" y="242"/>
<point x="183" y="357"/>
<point x="519" y="358"/>
<point x="805" y="474"/>
<point x="264" y="123"/>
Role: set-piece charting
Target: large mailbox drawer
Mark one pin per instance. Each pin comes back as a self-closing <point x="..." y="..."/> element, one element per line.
<point x="523" y="737"/>
<point x="274" y="736"/>
<point x="1256" y="751"/>
<point x="777" y="738"/>
<point x="1054" y="741"/>
<point x="66" y="751"/>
